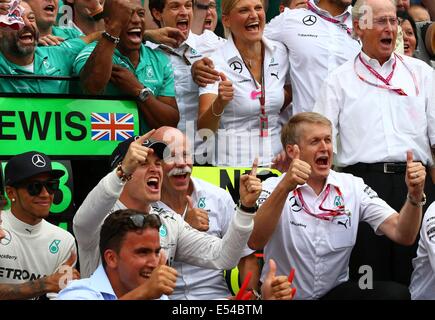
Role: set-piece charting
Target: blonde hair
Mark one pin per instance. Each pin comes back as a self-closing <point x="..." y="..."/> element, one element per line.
<point x="226" y="7"/>
<point x="291" y="131"/>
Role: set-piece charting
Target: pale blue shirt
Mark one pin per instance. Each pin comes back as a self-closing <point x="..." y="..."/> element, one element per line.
<point x="97" y="287"/>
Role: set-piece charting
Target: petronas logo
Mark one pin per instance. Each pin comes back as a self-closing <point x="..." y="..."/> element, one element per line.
<point x="163" y="231"/>
<point x="337" y="201"/>
<point x="201" y="203"/>
<point x="54" y="246"/>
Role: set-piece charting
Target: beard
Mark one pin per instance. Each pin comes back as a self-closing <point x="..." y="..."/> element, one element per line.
<point x="342" y="3"/>
<point x="10" y="42"/>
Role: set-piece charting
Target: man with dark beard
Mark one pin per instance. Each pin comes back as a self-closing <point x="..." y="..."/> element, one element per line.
<point x="19" y="55"/>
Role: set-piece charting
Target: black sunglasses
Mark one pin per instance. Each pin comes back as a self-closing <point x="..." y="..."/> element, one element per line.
<point x="141" y="220"/>
<point x="34" y="188"/>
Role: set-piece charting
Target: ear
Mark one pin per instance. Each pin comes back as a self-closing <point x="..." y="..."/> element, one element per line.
<point x="11" y="192"/>
<point x="111" y="258"/>
<point x="226" y="21"/>
<point x="281" y="8"/>
<point x="356" y="27"/>
<point x="157" y="15"/>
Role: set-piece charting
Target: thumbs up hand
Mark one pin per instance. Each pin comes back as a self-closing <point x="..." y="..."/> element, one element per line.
<point x="277" y="287"/>
<point x="298" y="172"/>
<point x="225" y="91"/>
<point x="415" y="177"/>
<point x="250" y="187"/>
<point x="160" y="281"/>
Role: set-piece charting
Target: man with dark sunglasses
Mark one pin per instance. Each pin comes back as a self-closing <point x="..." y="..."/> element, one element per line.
<point x="33" y="250"/>
<point x="134" y="183"/>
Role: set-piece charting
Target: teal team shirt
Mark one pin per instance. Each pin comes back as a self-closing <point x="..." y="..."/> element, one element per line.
<point x="66" y="32"/>
<point x="48" y="61"/>
<point x="154" y="71"/>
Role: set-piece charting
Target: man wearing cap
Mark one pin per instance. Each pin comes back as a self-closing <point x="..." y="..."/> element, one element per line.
<point x="19" y="55"/>
<point x="32" y="247"/>
<point x="134" y="183"/>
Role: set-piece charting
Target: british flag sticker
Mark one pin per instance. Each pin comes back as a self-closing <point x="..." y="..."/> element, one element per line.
<point x="111" y="126"/>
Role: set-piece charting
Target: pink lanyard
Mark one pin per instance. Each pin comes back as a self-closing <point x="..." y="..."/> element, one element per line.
<point x="388" y="79"/>
<point x="264" y="124"/>
<point x="327" y="214"/>
<point x="339" y="23"/>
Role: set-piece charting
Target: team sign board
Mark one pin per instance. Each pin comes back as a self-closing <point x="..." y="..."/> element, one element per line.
<point x="72" y="127"/>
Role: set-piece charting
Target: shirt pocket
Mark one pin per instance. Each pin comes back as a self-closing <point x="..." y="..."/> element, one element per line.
<point x="408" y="115"/>
<point x="183" y="80"/>
<point x="342" y="235"/>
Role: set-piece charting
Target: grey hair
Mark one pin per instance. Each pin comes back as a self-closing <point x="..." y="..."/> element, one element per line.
<point x="359" y="10"/>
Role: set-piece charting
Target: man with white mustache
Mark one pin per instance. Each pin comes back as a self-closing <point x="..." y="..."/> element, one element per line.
<point x="135" y="182"/>
<point x="204" y="207"/>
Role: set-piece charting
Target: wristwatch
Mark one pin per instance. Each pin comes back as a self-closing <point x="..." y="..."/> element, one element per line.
<point x="144" y="94"/>
<point x="417" y="204"/>
<point x="247" y="209"/>
<point x="202" y="6"/>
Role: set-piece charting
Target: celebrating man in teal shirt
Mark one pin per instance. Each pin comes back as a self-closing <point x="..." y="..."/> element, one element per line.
<point x="19" y="55"/>
<point x="121" y="64"/>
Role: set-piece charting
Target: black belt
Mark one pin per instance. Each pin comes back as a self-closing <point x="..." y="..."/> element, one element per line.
<point x="385" y="167"/>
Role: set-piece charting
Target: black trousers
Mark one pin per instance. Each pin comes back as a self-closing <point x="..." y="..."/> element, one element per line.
<point x="389" y="261"/>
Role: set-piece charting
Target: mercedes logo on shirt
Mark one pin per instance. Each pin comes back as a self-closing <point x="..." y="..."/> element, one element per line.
<point x="294" y="204"/>
<point x="309" y="20"/>
<point x="236" y="66"/>
<point x="7" y="239"/>
<point x="38" y="161"/>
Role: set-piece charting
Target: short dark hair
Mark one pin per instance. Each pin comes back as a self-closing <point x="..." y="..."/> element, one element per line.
<point x="159" y="5"/>
<point x="404" y="15"/>
<point x="119" y="223"/>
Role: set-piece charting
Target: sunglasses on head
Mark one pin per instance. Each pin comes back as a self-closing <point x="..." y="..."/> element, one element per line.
<point x="142" y="220"/>
<point x="34" y="188"/>
<point x="139" y="221"/>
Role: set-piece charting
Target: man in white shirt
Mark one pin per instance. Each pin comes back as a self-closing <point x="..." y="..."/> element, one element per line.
<point x="308" y="218"/>
<point x="381" y="104"/>
<point x="423" y="277"/>
<point x="134" y="183"/>
<point x="32" y="250"/>
<point x="318" y="40"/>
<point x="206" y="208"/>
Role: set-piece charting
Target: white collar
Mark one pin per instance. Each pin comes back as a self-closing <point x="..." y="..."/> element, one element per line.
<point x="330" y="180"/>
<point x="19" y="226"/>
<point x="343" y="15"/>
<point x="233" y="52"/>
<point x="375" y="63"/>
